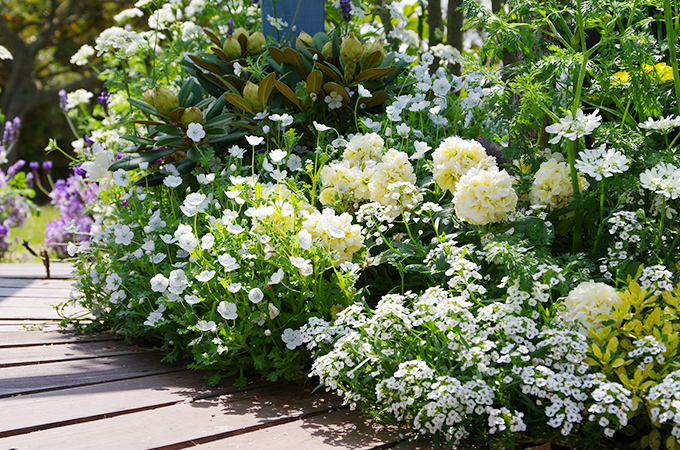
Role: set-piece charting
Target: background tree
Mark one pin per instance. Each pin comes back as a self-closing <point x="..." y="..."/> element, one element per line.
<point x="42" y="35"/>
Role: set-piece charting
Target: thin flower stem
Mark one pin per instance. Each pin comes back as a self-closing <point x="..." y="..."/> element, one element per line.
<point x="599" y="228"/>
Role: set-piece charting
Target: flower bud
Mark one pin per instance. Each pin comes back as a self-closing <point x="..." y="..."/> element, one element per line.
<point x="250" y="95"/>
<point x="304" y="37"/>
<point x="327" y="50"/>
<point x="164" y="100"/>
<point x="351" y="48"/>
<point x="371" y="47"/>
<point x="232" y="48"/>
<point x="256" y="43"/>
<point x="191" y="115"/>
<point x="148" y="96"/>
<point x="240" y="31"/>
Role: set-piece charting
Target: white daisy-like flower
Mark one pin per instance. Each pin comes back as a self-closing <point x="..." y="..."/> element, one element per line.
<point x="663" y="125"/>
<point x="277" y="155"/>
<point x="662" y="179"/>
<point x="206" y="275"/>
<point x="227" y="310"/>
<point x="172" y="181"/>
<point x="334" y="100"/>
<point x="255" y="295"/>
<point x="254" y="140"/>
<point x="195" y="132"/>
<point x="203" y="325"/>
<point x="574" y="127"/>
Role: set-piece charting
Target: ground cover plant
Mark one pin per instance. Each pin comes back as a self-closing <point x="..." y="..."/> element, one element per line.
<point x="489" y="256"/>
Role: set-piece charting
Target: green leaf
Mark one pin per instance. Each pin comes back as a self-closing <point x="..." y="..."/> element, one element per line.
<point x="133" y="160"/>
<point x="167" y="140"/>
<point x="138" y="139"/>
<point x="144" y="107"/>
<point x="216" y="108"/>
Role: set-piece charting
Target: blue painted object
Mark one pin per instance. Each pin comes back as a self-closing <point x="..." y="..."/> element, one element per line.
<point x="307" y="15"/>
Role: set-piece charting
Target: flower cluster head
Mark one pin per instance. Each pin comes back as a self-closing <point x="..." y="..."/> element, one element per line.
<point x="363" y="148"/>
<point x="337" y="234"/>
<point x="573" y="128"/>
<point x="120" y="41"/>
<point x="484" y="196"/>
<point x="587" y="301"/>
<point x="454" y="157"/>
<point x="663" y="179"/>
<point x="552" y="186"/>
<point x="602" y="162"/>
<point x="663" y="125"/>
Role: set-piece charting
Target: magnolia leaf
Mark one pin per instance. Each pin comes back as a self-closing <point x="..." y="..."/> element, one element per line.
<point x="276" y="54"/>
<point x="145" y="107"/>
<point x="287" y="92"/>
<point x="206" y="65"/>
<point x="133" y="160"/>
<point x="314" y="81"/>
<point x="167" y="140"/>
<point x="238" y="101"/>
<point x="372" y="60"/>
<point x="147" y="122"/>
<point x="175" y="115"/>
<point x="215" y="40"/>
<point x="377" y="98"/>
<point x="374" y="74"/>
<point x="215" y="110"/>
<point x="219" y="52"/>
<point x="138" y="139"/>
<point x="330" y="72"/>
<point x="265" y="89"/>
<point x="294" y="59"/>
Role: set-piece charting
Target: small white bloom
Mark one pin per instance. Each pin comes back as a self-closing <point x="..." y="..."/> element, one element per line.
<point x="320" y="127"/>
<point x="206" y="275"/>
<point x="80" y="57"/>
<point x="159" y="283"/>
<point x="172" y="181"/>
<point x="255" y="295"/>
<point x="121" y="178"/>
<point x="192" y="299"/>
<point x="229" y="262"/>
<point x="227" y="310"/>
<point x="195" y="132"/>
<point x="305" y="239"/>
<point x="254" y="140"/>
<point x="234" y="287"/>
<point x="277" y="155"/>
<point x="277" y="277"/>
<point x="203" y="325"/>
<point x="207" y="241"/>
<point x="363" y="92"/>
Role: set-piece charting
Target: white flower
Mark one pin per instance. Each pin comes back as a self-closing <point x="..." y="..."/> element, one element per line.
<point x="80" y="57"/>
<point x="195" y="203"/>
<point x="305" y="239"/>
<point x="172" y="181"/>
<point x="292" y="338"/>
<point x="484" y="196"/>
<point x="294" y="163"/>
<point x="334" y="100"/>
<point x="273" y="311"/>
<point x="185" y="238"/>
<point x="662" y="179"/>
<point x="124" y="15"/>
<point x="72" y="249"/>
<point x="234" y="287"/>
<point x="237" y="152"/>
<point x="320" y="127"/>
<point x="254" y="140"/>
<point x="235" y="228"/>
<point x="121" y="178"/>
<point x="587" y="301"/>
<point x="228" y="261"/>
<point x="205" y="179"/>
<point x="227" y="310"/>
<point x="206" y="275"/>
<point x="303" y="264"/>
<point x="195" y="132"/>
<point x="255" y="295"/>
<point x="663" y="125"/>
<point x="403" y="129"/>
<point x="441" y="87"/>
<point x="277" y="277"/>
<point x="283" y="119"/>
<point x="421" y="148"/>
<point x="363" y="92"/>
<point x="192" y="299"/>
<point x="573" y="128"/>
<point x="600" y="162"/>
<point x="203" y="325"/>
<point x="4" y="53"/>
<point x="77" y="97"/>
<point x="277" y="155"/>
<point x="159" y="283"/>
<point x="124" y="235"/>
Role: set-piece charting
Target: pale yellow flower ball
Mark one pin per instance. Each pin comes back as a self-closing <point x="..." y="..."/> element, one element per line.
<point x="454" y="157"/>
<point x="362" y="148"/>
<point x="340" y="179"/>
<point x="552" y="185"/>
<point x="391" y="180"/>
<point x="484" y="196"/>
<point x="336" y="233"/>
<point x="587" y="301"/>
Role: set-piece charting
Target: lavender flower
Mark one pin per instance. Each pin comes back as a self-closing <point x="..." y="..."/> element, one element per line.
<point x="11" y="133"/>
<point x="47" y="166"/>
<point x="62" y="100"/>
<point x="34" y="165"/>
<point x="346" y="8"/>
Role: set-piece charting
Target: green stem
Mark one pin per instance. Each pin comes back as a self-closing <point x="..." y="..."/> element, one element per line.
<point x="661" y="224"/>
<point x="599" y="228"/>
<point x="670" y="33"/>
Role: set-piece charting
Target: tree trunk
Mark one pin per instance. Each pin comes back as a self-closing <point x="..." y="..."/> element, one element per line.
<point x="435" y="21"/>
<point x="454" y="35"/>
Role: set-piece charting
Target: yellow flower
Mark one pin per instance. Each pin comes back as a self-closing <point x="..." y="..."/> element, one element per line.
<point x="336" y="233"/>
<point x="392" y="182"/>
<point x="620" y="78"/>
<point x="484" y="196"/>
<point x="664" y="71"/>
<point x="454" y="157"/>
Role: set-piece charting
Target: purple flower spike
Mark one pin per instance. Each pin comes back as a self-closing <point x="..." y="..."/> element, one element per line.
<point x="34" y="165"/>
<point x="104" y="98"/>
<point x="29" y="180"/>
<point x="345" y="7"/>
<point x="79" y="170"/>
<point x="62" y="100"/>
<point x="88" y="141"/>
<point x="47" y="165"/>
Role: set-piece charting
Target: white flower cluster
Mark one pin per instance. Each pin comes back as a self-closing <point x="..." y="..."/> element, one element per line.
<point x="663" y="125"/>
<point x="656" y="279"/>
<point x="650" y="349"/>
<point x="662" y="179"/>
<point x="552" y="187"/>
<point x="612" y="403"/>
<point x="626" y="227"/>
<point x="602" y="162"/>
<point x="587" y="302"/>
<point x="336" y="233"/>
<point x="665" y="397"/>
<point x="574" y="127"/>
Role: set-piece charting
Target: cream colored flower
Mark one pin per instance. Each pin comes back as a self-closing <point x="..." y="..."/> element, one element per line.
<point x="336" y="233"/>
<point x="340" y="179"/>
<point x="587" y="301"/>
<point x="484" y="196"/>
<point x="392" y="182"/>
<point x="362" y="148"/>
<point x="454" y="157"/>
<point x="552" y="185"/>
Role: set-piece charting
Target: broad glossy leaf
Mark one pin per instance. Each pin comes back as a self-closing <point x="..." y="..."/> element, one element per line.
<point x="314" y="81"/>
<point x="265" y="89"/>
<point x="238" y="101"/>
<point x="138" y="139"/>
<point x="144" y="107"/>
<point x="215" y="109"/>
<point x="133" y="160"/>
<point x="375" y="74"/>
<point x="287" y="92"/>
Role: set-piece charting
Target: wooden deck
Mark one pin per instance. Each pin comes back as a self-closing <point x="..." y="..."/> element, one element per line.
<point x="59" y="390"/>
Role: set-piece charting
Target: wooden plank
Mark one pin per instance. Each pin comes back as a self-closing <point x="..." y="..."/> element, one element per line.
<point x="31" y="301"/>
<point x="183" y="423"/>
<point x="58" y="375"/>
<point x="30" y="338"/>
<point x="339" y="429"/>
<point x="34" y="412"/>
<point x="15" y="326"/>
<point x="38" y="313"/>
<point x="35" y="270"/>
<point x="31" y="292"/>
<point x="33" y="283"/>
<point x="17" y="356"/>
